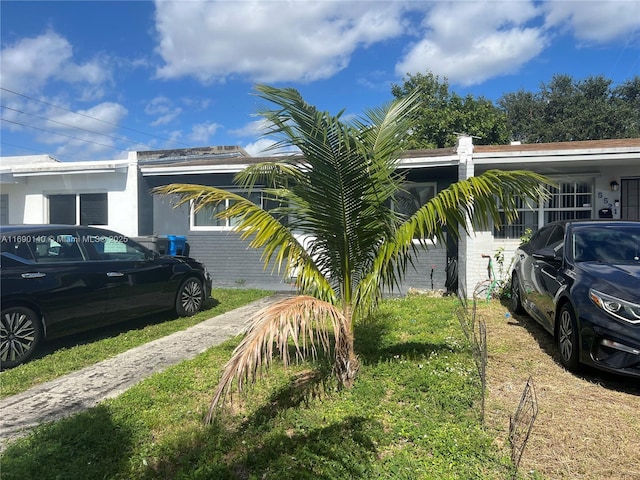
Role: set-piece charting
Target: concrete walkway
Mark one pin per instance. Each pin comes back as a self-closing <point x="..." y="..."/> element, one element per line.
<point x="85" y="388"/>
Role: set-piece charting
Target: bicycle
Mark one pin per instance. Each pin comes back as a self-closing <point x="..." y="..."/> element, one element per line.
<point x="487" y="287"/>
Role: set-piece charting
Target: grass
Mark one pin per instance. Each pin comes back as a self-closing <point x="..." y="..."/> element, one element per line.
<point x="588" y="423"/>
<point x="412" y="414"/>
<point x="73" y="353"/>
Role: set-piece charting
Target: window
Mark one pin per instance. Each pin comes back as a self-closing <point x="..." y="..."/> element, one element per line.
<point x="16" y="246"/>
<point x="206" y="219"/>
<point x="57" y="248"/>
<point x="527" y="219"/>
<point x="569" y="201"/>
<point x="90" y="208"/>
<point x="62" y="209"/>
<point x="414" y="196"/>
<point x="93" y="209"/>
<point x="541" y="238"/>
<point x="109" y="248"/>
<point x="4" y="208"/>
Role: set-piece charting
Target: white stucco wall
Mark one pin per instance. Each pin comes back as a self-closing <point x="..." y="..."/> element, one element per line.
<point x="28" y="198"/>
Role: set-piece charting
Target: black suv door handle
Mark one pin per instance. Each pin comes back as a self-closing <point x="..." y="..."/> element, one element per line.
<point x="115" y="274"/>
<point x="33" y="275"/>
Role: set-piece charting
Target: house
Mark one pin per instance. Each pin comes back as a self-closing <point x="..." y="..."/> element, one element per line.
<point x="41" y="189"/>
<point x="595" y="178"/>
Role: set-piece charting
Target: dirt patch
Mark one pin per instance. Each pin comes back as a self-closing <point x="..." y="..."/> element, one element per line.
<point x="588" y="425"/>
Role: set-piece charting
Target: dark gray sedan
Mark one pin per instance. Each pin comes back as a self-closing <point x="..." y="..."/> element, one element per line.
<point x="581" y="281"/>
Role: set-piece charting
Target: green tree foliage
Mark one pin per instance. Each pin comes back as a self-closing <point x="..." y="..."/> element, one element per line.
<point x="567" y="110"/>
<point x="442" y="114"/>
<point x="339" y="194"/>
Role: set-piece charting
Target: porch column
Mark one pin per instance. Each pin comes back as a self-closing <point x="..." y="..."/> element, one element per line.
<point x="465" y="243"/>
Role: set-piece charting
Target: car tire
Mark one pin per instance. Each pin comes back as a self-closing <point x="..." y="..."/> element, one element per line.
<point x="567" y="338"/>
<point x="20" y="335"/>
<point x="516" y="295"/>
<point x="190" y="297"/>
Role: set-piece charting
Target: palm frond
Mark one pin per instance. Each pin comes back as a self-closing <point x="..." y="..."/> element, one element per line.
<point x="475" y="202"/>
<point x="385" y="127"/>
<point x="303" y="321"/>
<point x="272" y="174"/>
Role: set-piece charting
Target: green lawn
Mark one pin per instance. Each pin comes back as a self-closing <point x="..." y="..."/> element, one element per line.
<point x="412" y="414"/>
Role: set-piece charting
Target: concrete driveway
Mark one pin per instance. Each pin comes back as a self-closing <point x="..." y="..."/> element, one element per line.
<point x="85" y="388"/>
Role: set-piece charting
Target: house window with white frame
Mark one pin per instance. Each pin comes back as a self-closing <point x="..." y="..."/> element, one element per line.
<point x="570" y="200"/>
<point x="206" y="217"/>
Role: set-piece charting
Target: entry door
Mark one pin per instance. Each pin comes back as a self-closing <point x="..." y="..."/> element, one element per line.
<point x="630" y="199"/>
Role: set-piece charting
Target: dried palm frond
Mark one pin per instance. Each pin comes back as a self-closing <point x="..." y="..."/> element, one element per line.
<point x="304" y="321"/>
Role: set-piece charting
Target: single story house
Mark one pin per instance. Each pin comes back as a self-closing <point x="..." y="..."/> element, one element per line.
<point x="595" y="178"/>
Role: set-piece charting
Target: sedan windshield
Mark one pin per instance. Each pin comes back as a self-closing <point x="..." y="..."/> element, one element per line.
<point x="618" y="244"/>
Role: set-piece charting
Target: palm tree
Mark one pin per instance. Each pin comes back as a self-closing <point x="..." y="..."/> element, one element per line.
<point x="339" y="191"/>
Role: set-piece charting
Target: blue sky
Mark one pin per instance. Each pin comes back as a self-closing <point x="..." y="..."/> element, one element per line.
<point x="87" y="80"/>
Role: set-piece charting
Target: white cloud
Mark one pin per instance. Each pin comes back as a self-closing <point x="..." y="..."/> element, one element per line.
<point x="251" y="129"/>
<point x="259" y="148"/>
<point x="268" y="41"/>
<point x="101" y="118"/>
<point x="467" y="42"/>
<point x="471" y="42"/>
<point x="164" y="109"/>
<point x="85" y="134"/>
<point x="28" y="64"/>
<point x="203" y="132"/>
<point x="488" y="57"/>
<point x="264" y="147"/>
<point x="598" y="22"/>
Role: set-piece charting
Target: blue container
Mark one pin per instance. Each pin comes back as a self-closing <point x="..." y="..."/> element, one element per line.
<point x="176" y="244"/>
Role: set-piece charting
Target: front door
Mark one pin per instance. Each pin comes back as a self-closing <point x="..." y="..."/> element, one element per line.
<point x="630" y="199"/>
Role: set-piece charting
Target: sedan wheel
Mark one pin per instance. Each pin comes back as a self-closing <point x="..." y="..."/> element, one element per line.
<point x="567" y="338"/>
<point x="516" y="298"/>
<point x="190" y="297"/>
<point x="20" y="335"/>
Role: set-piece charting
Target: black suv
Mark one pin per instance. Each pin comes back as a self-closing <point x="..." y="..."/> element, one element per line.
<point x="59" y="279"/>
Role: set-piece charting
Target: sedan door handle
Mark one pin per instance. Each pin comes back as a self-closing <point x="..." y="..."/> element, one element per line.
<point x="33" y="275"/>
<point x="115" y="274"/>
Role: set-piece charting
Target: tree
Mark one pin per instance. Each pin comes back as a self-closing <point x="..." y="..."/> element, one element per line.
<point x="340" y="192"/>
<point x="627" y="99"/>
<point x="567" y="110"/>
<point x="442" y="115"/>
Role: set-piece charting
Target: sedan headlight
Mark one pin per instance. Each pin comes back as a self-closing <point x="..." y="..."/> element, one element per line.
<point x="627" y="311"/>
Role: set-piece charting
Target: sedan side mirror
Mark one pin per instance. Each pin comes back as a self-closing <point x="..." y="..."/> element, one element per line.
<point x="547" y="254"/>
